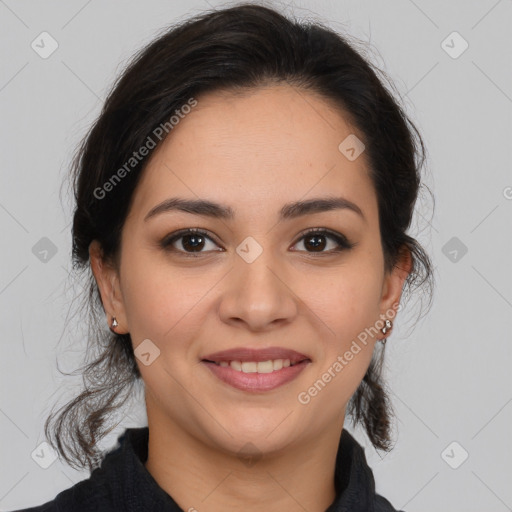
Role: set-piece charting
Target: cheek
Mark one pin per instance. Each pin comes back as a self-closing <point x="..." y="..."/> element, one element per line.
<point x="349" y="308"/>
<point x="163" y="312"/>
<point x="348" y="303"/>
<point x="159" y="300"/>
<point x="168" y="308"/>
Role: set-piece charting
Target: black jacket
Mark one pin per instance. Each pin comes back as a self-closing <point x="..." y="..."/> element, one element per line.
<point x="123" y="484"/>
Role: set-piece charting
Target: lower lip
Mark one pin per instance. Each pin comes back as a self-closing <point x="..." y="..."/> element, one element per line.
<point x="256" y="381"/>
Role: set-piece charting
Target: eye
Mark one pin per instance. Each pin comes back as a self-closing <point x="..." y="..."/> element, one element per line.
<point x="192" y="241"/>
<point x="314" y="239"/>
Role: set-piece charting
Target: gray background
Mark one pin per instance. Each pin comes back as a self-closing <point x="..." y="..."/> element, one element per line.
<point x="450" y="375"/>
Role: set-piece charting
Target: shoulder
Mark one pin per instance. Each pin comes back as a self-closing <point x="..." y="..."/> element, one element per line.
<point x="85" y="496"/>
<point x="381" y="504"/>
<point x="94" y="494"/>
<point x="355" y="480"/>
<point x="82" y="497"/>
<point x="121" y="482"/>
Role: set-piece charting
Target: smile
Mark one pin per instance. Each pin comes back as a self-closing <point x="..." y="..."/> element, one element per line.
<point x="256" y="366"/>
<point x="257" y="376"/>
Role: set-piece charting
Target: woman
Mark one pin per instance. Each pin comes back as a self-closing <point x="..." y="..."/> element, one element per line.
<point x="242" y="204"/>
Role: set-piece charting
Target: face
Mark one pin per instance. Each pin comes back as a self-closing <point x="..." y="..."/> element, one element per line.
<point x="254" y="279"/>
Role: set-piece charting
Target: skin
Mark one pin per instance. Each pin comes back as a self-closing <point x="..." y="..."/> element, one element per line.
<point x="254" y="153"/>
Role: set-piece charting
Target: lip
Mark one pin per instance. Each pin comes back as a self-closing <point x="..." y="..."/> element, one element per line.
<point x="251" y="354"/>
<point x="256" y="382"/>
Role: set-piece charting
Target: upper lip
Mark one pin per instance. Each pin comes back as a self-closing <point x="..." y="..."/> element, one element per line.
<point x="251" y="354"/>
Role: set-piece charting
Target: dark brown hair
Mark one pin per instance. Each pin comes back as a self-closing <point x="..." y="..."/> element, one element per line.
<point x="232" y="49"/>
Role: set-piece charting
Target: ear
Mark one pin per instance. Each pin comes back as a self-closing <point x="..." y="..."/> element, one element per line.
<point x="394" y="282"/>
<point x="107" y="279"/>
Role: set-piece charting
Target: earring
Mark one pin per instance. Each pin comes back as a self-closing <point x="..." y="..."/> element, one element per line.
<point x="388" y="324"/>
<point x="114" y="324"/>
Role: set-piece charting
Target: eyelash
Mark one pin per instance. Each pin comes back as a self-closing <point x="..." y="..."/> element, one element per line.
<point x="341" y="240"/>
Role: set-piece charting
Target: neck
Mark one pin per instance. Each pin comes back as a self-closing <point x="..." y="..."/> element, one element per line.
<point x="200" y="477"/>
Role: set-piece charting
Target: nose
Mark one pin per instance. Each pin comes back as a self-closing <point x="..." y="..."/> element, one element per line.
<point x="259" y="295"/>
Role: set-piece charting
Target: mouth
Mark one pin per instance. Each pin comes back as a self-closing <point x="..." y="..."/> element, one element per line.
<point x="256" y="371"/>
<point x="269" y="366"/>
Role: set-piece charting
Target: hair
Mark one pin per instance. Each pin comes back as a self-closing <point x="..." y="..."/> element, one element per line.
<point x="235" y="50"/>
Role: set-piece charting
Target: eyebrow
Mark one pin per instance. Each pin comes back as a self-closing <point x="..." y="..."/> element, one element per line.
<point x="288" y="211"/>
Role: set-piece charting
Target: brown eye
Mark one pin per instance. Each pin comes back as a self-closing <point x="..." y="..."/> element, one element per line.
<point x="315" y="241"/>
<point x="188" y="241"/>
<point x="193" y="242"/>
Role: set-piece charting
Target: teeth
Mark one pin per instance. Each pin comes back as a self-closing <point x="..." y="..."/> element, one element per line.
<point x="257" y="367"/>
<point x="236" y="365"/>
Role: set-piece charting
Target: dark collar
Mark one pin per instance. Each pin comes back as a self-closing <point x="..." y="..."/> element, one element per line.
<point x="125" y="480"/>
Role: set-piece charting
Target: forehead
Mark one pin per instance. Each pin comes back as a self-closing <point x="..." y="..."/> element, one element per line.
<point x="266" y="146"/>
